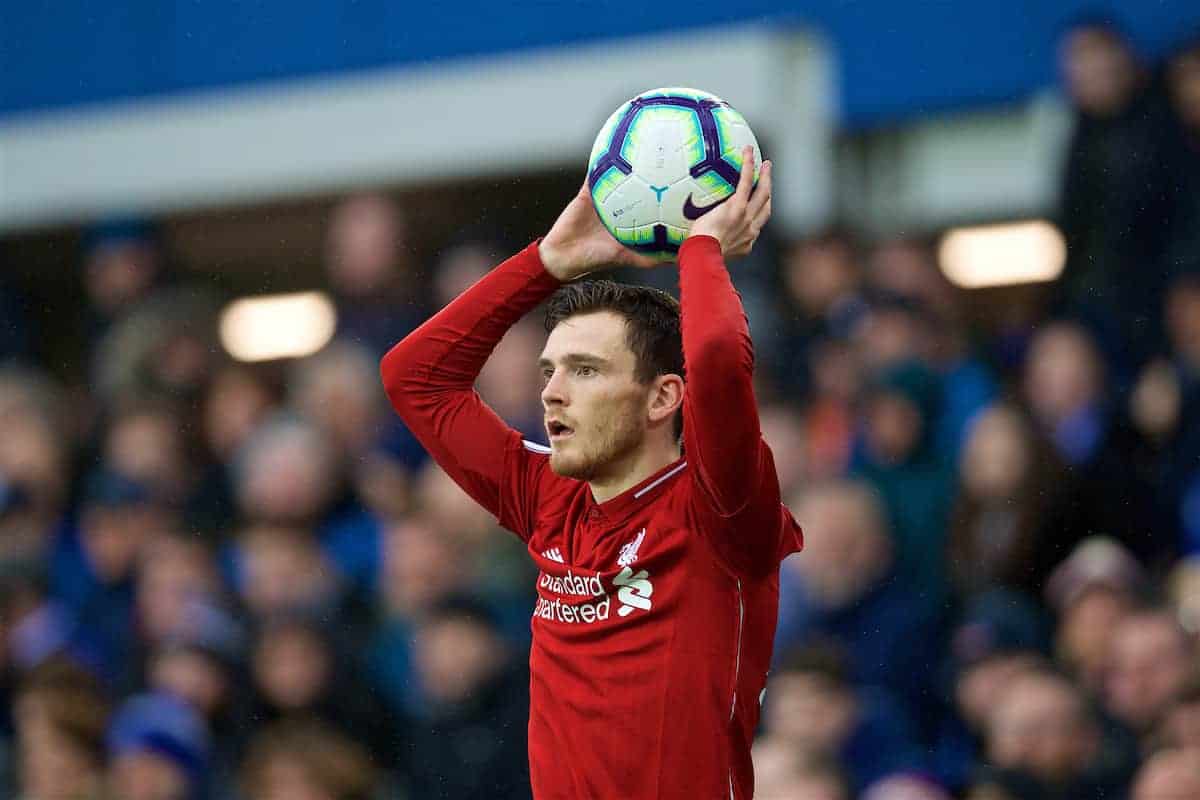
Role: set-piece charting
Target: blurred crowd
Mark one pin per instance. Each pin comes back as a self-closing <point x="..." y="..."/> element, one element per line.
<point x="230" y="580"/>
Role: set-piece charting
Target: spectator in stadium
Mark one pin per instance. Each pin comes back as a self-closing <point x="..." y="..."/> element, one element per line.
<point x="61" y="715"/>
<point x="1092" y="592"/>
<point x="237" y="399"/>
<point x="367" y="261"/>
<point x="999" y="636"/>
<point x="831" y="416"/>
<point x="509" y="381"/>
<point x="800" y="778"/>
<point x="166" y="347"/>
<point x="917" y="314"/>
<point x="845" y="588"/>
<point x="300" y="668"/>
<point x="812" y="710"/>
<point x="468" y="739"/>
<point x="202" y="668"/>
<point x="122" y="264"/>
<point x="144" y="440"/>
<point x="899" y="457"/>
<point x="1001" y="531"/>
<point x="1164" y="447"/>
<point x="307" y="760"/>
<point x="890" y="330"/>
<point x="286" y="473"/>
<point x="281" y="570"/>
<point x="94" y="563"/>
<point x="1115" y="195"/>
<point x="461" y="265"/>
<point x="904" y="267"/>
<point x="782" y="427"/>
<point x="1169" y="774"/>
<point x="177" y="577"/>
<point x="337" y="389"/>
<point x="821" y="279"/>
<point x="1067" y="394"/>
<point x="1041" y="727"/>
<point x="35" y="452"/>
<point x="1152" y="658"/>
<point x="289" y="473"/>
<point x="422" y="566"/>
<point x="158" y="750"/>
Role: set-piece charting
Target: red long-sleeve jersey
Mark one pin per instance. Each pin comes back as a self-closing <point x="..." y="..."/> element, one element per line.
<point x="656" y="609"/>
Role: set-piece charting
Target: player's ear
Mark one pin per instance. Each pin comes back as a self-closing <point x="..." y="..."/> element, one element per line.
<point x="666" y="396"/>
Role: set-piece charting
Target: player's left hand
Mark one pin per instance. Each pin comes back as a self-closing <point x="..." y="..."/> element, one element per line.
<point x="738" y="221"/>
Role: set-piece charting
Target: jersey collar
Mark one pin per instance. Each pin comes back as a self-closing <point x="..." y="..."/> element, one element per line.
<point x="641" y="493"/>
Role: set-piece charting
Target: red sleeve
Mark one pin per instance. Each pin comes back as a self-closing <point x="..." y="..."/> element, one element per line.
<point x="430" y="377"/>
<point x="732" y="468"/>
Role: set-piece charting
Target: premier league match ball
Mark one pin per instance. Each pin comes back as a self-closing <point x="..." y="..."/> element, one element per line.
<point x="661" y="161"/>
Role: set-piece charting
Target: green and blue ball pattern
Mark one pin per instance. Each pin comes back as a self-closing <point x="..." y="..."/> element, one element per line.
<point x="661" y="161"/>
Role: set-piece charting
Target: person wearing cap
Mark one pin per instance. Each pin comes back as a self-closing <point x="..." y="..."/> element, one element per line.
<point x="1091" y="591"/>
<point x="159" y="750"/>
<point x="93" y="561"/>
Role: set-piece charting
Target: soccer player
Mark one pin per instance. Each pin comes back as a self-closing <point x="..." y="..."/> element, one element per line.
<point x="658" y="555"/>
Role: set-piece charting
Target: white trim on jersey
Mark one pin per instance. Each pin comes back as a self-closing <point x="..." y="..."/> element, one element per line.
<point x="647" y="488"/>
<point x="534" y="447"/>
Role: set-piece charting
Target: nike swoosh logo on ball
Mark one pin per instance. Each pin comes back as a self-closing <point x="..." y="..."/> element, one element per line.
<point x="693" y="212"/>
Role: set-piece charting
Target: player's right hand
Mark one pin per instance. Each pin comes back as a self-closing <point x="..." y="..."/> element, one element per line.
<point x="578" y="243"/>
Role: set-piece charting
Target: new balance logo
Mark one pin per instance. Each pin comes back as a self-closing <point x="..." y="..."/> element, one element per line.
<point x="554" y="555"/>
<point x="629" y="552"/>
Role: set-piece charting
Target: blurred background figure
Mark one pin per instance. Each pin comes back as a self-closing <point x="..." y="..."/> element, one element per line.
<point x="812" y="711"/>
<point x="846" y="588"/>
<point x="307" y="761"/>
<point x="1041" y="728"/>
<point x="468" y="738"/>
<point x="1169" y="774"/>
<point x="369" y="268"/>
<point x="1115" y="194"/>
<point x="61" y="717"/>
<point x="1151" y="660"/>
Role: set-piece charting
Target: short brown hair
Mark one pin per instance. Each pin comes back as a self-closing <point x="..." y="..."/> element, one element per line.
<point x="331" y="760"/>
<point x="652" y="323"/>
<point x="72" y="701"/>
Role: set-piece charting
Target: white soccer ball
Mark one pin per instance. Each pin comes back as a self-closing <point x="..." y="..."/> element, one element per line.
<point x="661" y="161"/>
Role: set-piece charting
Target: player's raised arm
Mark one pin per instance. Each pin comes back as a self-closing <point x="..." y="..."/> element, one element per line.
<point x="721" y="428"/>
<point x="430" y="375"/>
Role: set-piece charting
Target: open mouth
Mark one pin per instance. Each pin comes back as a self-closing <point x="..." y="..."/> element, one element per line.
<point x="558" y="431"/>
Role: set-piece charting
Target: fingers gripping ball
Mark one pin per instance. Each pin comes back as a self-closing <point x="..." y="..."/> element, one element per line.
<point x="661" y="161"/>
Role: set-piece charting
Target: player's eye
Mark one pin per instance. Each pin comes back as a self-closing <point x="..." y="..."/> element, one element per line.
<point x="585" y="371"/>
<point x="547" y="374"/>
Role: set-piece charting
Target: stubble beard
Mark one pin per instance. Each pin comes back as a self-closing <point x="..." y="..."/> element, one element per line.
<point x="608" y="444"/>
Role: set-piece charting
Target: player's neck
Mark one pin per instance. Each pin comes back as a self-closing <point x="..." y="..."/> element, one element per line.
<point x="634" y="469"/>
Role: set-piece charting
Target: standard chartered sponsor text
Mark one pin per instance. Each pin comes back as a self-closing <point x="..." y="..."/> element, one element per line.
<point x="572" y="585"/>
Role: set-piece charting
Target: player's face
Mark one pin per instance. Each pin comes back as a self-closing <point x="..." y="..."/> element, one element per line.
<point x="594" y="408"/>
